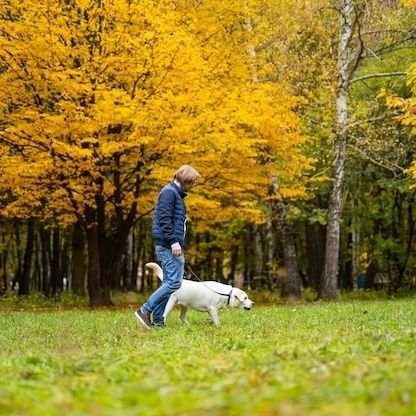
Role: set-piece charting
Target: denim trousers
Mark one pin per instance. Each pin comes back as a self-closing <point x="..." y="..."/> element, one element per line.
<point x="173" y="268"/>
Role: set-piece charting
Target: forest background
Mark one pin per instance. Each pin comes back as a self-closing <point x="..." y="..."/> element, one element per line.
<point x="299" y="115"/>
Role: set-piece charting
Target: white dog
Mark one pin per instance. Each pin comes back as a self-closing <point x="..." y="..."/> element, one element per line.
<point x="207" y="296"/>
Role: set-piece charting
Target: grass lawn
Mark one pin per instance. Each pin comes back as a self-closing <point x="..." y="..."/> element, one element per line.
<point x="341" y="358"/>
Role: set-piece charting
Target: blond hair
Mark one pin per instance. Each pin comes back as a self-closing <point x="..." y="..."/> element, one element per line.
<point x="186" y="174"/>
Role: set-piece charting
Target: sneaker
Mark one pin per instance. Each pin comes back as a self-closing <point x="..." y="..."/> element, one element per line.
<point x="143" y="318"/>
<point x="158" y="324"/>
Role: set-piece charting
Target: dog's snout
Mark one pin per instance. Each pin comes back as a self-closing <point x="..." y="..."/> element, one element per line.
<point x="248" y="305"/>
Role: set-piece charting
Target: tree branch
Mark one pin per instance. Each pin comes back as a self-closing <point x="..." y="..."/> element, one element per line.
<point x="379" y="75"/>
<point x="384" y="164"/>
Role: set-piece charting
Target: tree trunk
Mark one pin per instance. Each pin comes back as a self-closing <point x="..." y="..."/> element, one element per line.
<point x="79" y="266"/>
<point x="233" y="263"/>
<point x="105" y="252"/>
<point x="219" y="267"/>
<point x="45" y="260"/>
<point x="258" y="252"/>
<point x="247" y="253"/>
<point x="112" y="248"/>
<point x="142" y="259"/>
<point x="3" y="284"/>
<point x="347" y="276"/>
<point x="139" y="244"/>
<point x="291" y="287"/>
<point x="3" y="262"/>
<point x="347" y="61"/>
<point x="355" y="245"/>
<point x="402" y="231"/>
<point x="37" y="274"/>
<point x="56" y="271"/>
<point x="315" y="253"/>
<point x="129" y="262"/>
<point x="98" y="296"/>
<point x="19" y="255"/>
<point x="207" y="264"/>
<point x="409" y="236"/>
<point x="24" y="282"/>
<point x="65" y="260"/>
<point x="270" y="252"/>
<point x="245" y="257"/>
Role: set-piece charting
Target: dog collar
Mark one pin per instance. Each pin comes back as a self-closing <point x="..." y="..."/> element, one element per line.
<point x="229" y="296"/>
<point x="224" y="294"/>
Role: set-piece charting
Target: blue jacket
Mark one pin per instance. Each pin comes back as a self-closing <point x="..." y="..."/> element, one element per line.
<point x="169" y="219"/>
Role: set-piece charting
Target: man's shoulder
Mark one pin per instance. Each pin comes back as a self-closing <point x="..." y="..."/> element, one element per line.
<point x="168" y="188"/>
<point x="168" y="192"/>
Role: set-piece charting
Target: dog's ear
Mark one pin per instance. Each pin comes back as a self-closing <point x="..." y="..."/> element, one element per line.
<point x="240" y="295"/>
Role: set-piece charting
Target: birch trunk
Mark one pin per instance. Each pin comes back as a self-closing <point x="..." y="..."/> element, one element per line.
<point x="347" y="60"/>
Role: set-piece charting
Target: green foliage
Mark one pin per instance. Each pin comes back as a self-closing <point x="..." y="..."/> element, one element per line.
<point x="323" y="359"/>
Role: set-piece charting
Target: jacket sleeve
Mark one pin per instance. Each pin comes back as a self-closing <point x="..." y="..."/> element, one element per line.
<point x="166" y="213"/>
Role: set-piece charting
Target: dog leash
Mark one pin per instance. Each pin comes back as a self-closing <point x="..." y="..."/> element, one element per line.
<point x="212" y="290"/>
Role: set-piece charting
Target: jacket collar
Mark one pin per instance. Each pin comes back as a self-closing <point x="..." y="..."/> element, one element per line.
<point x="179" y="190"/>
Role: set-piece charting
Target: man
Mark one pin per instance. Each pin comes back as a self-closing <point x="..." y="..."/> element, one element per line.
<point x="168" y="229"/>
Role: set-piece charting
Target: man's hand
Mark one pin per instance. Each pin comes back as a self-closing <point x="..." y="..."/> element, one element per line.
<point x="176" y="249"/>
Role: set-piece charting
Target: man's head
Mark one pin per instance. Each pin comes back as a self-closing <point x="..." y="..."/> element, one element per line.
<point x="186" y="175"/>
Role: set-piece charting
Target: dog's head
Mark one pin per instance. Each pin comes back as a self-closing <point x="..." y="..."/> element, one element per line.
<point x="239" y="299"/>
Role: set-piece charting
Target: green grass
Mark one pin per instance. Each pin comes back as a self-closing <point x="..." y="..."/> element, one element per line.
<point x="340" y="358"/>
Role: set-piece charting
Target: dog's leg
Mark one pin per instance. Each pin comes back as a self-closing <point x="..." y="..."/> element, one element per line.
<point x="214" y="315"/>
<point x="169" y="306"/>
<point x="183" y="315"/>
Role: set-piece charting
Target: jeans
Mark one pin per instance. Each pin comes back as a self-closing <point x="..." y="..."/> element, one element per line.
<point x="173" y="268"/>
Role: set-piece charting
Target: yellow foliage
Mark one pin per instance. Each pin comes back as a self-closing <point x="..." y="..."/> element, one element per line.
<point x="409" y="2"/>
<point x="102" y="101"/>
<point x="407" y="108"/>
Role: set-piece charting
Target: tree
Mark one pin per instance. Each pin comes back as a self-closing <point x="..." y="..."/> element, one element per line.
<point x="361" y="35"/>
<point x="101" y="100"/>
<point x="348" y="59"/>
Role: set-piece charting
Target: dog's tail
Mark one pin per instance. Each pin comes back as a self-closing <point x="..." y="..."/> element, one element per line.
<point x="157" y="269"/>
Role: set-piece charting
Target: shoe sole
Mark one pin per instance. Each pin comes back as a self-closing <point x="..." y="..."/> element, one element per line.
<point x="140" y="319"/>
